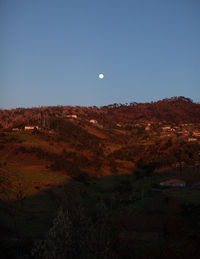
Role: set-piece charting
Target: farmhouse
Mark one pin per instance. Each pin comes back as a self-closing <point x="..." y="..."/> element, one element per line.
<point x="166" y="128"/>
<point x="93" y="121"/>
<point x="118" y="125"/>
<point x="31" y="127"/>
<point x="147" y="128"/>
<point x="74" y="116"/>
<point x="15" y="129"/>
<point x="173" y="183"/>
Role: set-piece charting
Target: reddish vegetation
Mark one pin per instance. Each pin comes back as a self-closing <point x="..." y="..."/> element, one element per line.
<point x="176" y="109"/>
<point x="107" y="175"/>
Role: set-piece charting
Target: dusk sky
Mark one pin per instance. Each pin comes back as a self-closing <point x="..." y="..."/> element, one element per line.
<point x="51" y="51"/>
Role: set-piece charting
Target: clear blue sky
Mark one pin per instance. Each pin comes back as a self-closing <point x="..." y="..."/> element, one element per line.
<point x="51" y="51"/>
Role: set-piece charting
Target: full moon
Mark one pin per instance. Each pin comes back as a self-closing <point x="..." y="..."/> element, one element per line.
<point x="101" y="76"/>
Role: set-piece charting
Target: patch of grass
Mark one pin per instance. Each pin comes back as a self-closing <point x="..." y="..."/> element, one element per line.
<point x="106" y="184"/>
<point x="143" y="249"/>
<point x="29" y="175"/>
<point x="32" y="218"/>
<point x="187" y="196"/>
<point x="29" y="181"/>
<point x="141" y="205"/>
<point x="25" y="136"/>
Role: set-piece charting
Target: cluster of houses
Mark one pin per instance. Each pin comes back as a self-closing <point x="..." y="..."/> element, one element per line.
<point x="32" y="127"/>
<point x="185" y="130"/>
<point x="191" y="132"/>
<point x="75" y="116"/>
<point x="69" y="116"/>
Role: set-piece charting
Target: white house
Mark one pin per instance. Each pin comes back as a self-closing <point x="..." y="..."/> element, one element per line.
<point x="93" y="121"/>
<point x="15" y="129"/>
<point x="166" y="128"/>
<point x="118" y="125"/>
<point x="173" y="183"/>
<point x="31" y="127"/>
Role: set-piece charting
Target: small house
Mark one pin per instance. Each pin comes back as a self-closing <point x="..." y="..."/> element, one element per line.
<point x="173" y="183"/>
<point x="166" y="128"/>
<point x="192" y="139"/>
<point x="118" y="125"/>
<point x="93" y="121"/>
<point x="31" y="127"/>
<point x="73" y="116"/>
<point x="15" y="129"/>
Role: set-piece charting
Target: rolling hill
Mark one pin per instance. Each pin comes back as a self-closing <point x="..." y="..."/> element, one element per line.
<point x="173" y="110"/>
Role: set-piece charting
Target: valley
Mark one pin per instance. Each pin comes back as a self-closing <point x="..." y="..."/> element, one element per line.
<point x="100" y="167"/>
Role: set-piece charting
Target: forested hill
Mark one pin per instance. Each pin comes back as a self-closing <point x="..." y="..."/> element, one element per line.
<point x="175" y="109"/>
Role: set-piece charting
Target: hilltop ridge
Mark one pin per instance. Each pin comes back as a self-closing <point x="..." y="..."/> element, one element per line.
<point x="172" y="110"/>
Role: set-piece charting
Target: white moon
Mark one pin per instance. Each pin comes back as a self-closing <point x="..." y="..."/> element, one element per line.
<point x="101" y="76"/>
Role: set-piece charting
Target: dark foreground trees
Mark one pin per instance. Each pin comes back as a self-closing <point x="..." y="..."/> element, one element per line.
<point x="75" y="235"/>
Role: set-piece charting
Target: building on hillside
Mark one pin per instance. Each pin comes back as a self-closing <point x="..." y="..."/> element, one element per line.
<point x="166" y="128"/>
<point x="74" y="116"/>
<point x="31" y="127"/>
<point x="196" y="134"/>
<point x="119" y="125"/>
<point x="94" y="121"/>
<point x="15" y="129"/>
<point x="173" y="183"/>
<point x="192" y="139"/>
<point x="186" y="133"/>
<point x="147" y="128"/>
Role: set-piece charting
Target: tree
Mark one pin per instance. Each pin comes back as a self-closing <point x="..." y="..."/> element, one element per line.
<point x="74" y="234"/>
<point x="144" y="169"/>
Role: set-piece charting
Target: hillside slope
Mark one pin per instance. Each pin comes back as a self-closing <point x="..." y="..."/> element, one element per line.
<point x="173" y="110"/>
